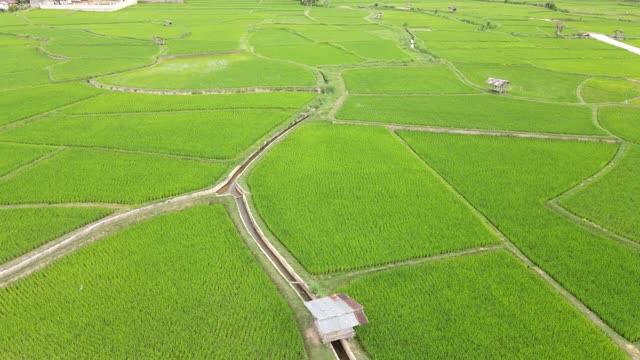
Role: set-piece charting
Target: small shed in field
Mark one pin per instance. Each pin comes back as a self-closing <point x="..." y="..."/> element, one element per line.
<point x="335" y="316"/>
<point x="498" y="85"/>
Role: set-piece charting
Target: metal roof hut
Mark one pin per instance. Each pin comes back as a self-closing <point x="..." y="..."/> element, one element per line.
<point x="335" y="316"/>
<point x="498" y="85"/>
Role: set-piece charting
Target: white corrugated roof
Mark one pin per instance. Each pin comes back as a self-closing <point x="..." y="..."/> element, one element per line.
<point x="328" y="307"/>
<point x="335" y="313"/>
<point x="342" y="322"/>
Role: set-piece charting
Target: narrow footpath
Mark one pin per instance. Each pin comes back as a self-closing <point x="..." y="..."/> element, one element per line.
<point x="614" y="42"/>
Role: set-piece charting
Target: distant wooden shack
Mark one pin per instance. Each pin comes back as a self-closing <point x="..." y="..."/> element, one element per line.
<point x="335" y="316"/>
<point x="378" y="16"/>
<point x="498" y="85"/>
<point x="453" y="9"/>
<point x="157" y="40"/>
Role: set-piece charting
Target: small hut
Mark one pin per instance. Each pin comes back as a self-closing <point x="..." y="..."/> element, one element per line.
<point x="618" y="34"/>
<point x="335" y="316"/>
<point x="498" y="85"/>
<point x="157" y="40"/>
<point x="168" y="23"/>
<point x="378" y="16"/>
<point x="453" y="9"/>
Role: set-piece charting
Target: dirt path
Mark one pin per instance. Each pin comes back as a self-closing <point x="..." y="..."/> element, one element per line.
<point x="32" y="261"/>
<point x="614" y="42"/>
<point x="478" y="132"/>
<point x="231" y="187"/>
<point x="579" y="90"/>
<point x="97" y="84"/>
<point x="17" y="266"/>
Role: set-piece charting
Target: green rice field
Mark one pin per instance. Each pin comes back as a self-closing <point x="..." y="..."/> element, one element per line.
<point x="212" y="134"/>
<point x="416" y="212"/>
<point x="603" y="275"/>
<point x="26" y="228"/>
<point x="214" y="72"/>
<point x="623" y="122"/>
<point x="612" y="200"/>
<point x="405" y="80"/>
<point x="78" y="175"/>
<point x="14" y="156"/>
<point x="470" y="112"/>
<point x="462" y="306"/>
<point x="177" y="178"/>
<point x="130" y="292"/>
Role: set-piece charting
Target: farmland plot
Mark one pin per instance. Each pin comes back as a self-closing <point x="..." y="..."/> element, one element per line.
<point x="22" y="229"/>
<point x="613" y="200"/>
<point x="329" y="199"/>
<point x="490" y="112"/>
<point x="626" y="66"/>
<point x="13" y="156"/>
<point x="213" y="134"/>
<point x="213" y="72"/>
<point x="623" y="122"/>
<point x="125" y="102"/>
<point x="14" y="107"/>
<point x="110" y="177"/>
<point x="375" y="49"/>
<point x="285" y="45"/>
<point x="85" y="54"/>
<point x="485" y="306"/>
<point x="599" y="90"/>
<point x="509" y="180"/>
<point x="17" y="54"/>
<point x="436" y="79"/>
<point x="180" y="285"/>
<point x="526" y="80"/>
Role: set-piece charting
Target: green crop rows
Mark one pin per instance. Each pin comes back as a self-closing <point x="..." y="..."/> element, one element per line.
<point x="23" y="229"/>
<point x="405" y="80"/>
<point x="111" y="177"/>
<point x="342" y="198"/>
<point x="118" y="102"/>
<point x="612" y="200"/>
<point x="213" y="72"/>
<point x="471" y="111"/>
<point x="13" y="156"/>
<point x="623" y="122"/>
<point x="214" y="134"/>
<point x="179" y="285"/>
<point x="462" y="307"/>
<point x="410" y="186"/>
<point x="509" y="180"/>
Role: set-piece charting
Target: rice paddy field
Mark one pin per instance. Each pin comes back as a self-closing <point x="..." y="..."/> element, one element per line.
<point x="163" y="274"/>
<point x="177" y="178"/>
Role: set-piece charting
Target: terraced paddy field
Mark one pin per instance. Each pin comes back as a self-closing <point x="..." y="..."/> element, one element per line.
<point x="175" y="178"/>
